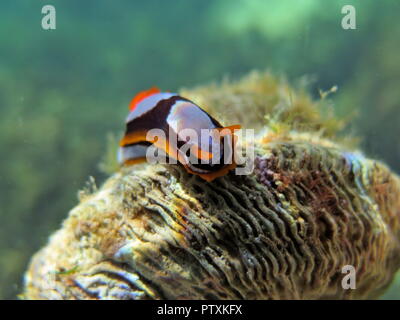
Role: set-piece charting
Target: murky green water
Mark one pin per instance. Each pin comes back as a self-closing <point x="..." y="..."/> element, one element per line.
<point x="63" y="90"/>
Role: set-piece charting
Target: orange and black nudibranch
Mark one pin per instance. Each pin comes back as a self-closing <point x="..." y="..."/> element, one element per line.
<point x="174" y="114"/>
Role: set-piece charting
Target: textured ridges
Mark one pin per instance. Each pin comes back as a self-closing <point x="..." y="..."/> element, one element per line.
<point x="284" y="232"/>
<point x="343" y="224"/>
<point x="309" y="217"/>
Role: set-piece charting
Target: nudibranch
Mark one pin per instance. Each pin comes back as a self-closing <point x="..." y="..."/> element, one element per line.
<point x="206" y="155"/>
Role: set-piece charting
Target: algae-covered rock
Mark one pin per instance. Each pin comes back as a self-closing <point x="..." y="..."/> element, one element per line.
<point x="311" y="206"/>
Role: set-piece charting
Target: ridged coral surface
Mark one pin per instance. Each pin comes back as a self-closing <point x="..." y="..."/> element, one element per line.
<point x="310" y="207"/>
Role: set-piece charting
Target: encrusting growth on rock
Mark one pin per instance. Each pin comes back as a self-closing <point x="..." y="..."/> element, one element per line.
<point x="312" y="206"/>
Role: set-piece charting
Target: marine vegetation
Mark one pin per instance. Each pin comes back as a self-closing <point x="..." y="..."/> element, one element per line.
<point x="313" y="205"/>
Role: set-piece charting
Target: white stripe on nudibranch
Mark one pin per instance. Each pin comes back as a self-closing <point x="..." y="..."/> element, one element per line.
<point x="147" y="104"/>
<point x="131" y="152"/>
<point x="186" y="115"/>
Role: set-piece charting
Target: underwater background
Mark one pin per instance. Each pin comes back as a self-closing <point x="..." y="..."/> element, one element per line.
<point x="64" y="93"/>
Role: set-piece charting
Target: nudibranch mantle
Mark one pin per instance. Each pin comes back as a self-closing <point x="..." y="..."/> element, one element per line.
<point x="175" y="115"/>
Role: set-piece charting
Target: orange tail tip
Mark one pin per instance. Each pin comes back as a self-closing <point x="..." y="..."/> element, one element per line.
<point x="142" y="95"/>
<point x="231" y="128"/>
